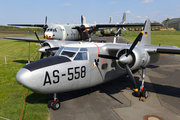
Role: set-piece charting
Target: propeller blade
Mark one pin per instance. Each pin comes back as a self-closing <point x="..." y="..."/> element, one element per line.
<point x="51" y="49"/>
<point x="107" y="56"/>
<point x="139" y="37"/>
<point x="131" y="76"/>
<point x="42" y="55"/>
<point x="45" y="26"/>
<point x="81" y="19"/>
<point x="36" y="36"/>
<point x="46" y="20"/>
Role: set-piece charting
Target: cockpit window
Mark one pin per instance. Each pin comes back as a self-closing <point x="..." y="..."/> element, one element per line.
<point x="81" y="56"/>
<point x="76" y="53"/>
<point x="83" y="49"/>
<point x="59" y="51"/>
<point x="71" y="49"/>
<point x="55" y="30"/>
<point x="52" y="29"/>
<point x="67" y="51"/>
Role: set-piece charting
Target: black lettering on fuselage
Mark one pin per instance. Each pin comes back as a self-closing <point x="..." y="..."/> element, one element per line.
<point x="47" y="79"/>
<point x="55" y="76"/>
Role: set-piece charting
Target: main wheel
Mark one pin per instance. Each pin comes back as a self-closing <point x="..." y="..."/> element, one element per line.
<point x="144" y="93"/>
<point x="56" y="105"/>
<point x="50" y="103"/>
<point x="138" y="93"/>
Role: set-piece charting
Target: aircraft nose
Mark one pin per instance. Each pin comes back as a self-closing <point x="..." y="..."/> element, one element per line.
<point x="48" y="35"/>
<point x="26" y="79"/>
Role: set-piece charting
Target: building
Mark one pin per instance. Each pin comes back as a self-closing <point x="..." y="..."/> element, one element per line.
<point x="173" y="23"/>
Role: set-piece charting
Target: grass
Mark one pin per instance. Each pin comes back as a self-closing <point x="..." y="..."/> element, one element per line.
<point x="12" y="95"/>
<point x="165" y="38"/>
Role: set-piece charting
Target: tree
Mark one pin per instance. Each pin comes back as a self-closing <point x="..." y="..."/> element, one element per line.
<point x="165" y="21"/>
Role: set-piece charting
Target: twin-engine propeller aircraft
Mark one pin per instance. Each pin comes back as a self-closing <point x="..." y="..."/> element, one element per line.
<point x="64" y="31"/>
<point x="114" y="30"/>
<point x="70" y="32"/>
<point x="78" y="65"/>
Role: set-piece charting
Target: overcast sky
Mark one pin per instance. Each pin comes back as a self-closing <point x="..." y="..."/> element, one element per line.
<point x="69" y="11"/>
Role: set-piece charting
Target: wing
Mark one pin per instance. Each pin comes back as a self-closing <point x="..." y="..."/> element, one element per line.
<point x="26" y="39"/>
<point x="124" y="25"/>
<point x="162" y="49"/>
<point x="31" y="25"/>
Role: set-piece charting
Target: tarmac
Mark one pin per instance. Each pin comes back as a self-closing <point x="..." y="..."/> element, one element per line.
<point x="115" y="100"/>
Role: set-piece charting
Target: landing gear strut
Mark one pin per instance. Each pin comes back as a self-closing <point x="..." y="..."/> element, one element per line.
<point x="54" y="104"/>
<point x="142" y="91"/>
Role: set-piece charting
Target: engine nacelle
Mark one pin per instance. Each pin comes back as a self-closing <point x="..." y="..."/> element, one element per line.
<point x="140" y="58"/>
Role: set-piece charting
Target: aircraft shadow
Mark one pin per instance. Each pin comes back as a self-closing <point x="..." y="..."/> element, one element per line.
<point x="21" y="61"/>
<point x="36" y="98"/>
<point x="152" y="66"/>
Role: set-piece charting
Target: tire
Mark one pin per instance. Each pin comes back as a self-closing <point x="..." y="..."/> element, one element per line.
<point x="56" y="105"/>
<point x="50" y="103"/>
<point x="138" y="94"/>
<point x="144" y="93"/>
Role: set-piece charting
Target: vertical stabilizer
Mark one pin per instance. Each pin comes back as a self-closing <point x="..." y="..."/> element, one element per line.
<point x="123" y="19"/>
<point x="146" y="39"/>
<point x="110" y="21"/>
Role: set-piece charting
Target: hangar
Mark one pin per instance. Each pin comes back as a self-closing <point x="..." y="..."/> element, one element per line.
<point x="173" y="23"/>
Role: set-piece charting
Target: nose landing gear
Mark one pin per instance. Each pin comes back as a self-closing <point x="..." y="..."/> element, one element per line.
<point x="54" y="104"/>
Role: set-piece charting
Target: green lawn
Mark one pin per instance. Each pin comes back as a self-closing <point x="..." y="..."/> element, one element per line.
<point x="165" y="38"/>
<point x="12" y="95"/>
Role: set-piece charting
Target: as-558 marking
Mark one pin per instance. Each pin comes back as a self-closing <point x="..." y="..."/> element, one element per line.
<point x="73" y="73"/>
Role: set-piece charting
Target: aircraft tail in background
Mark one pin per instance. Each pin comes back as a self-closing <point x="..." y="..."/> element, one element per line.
<point x="123" y="19"/>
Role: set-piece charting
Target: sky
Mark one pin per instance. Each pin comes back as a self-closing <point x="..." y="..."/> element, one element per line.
<point x="70" y="11"/>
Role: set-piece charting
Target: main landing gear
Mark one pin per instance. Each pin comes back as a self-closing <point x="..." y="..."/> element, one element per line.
<point x="141" y="91"/>
<point x="54" y="104"/>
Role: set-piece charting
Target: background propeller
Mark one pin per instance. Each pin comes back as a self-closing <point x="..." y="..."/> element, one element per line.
<point x="45" y="26"/>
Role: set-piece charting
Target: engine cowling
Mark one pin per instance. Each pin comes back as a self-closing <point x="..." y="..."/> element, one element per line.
<point x="138" y="58"/>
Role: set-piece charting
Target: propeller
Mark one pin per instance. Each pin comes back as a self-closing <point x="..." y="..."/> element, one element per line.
<point x="83" y="29"/>
<point x="126" y="59"/>
<point x="45" y="26"/>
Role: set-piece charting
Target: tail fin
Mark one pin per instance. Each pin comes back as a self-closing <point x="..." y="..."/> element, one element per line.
<point x="146" y="39"/>
<point x="83" y="20"/>
<point x="123" y="19"/>
<point x="110" y="21"/>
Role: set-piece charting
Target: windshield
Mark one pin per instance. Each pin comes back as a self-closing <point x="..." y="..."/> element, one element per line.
<point x="51" y="29"/>
<point x="67" y="51"/>
<point x="76" y="53"/>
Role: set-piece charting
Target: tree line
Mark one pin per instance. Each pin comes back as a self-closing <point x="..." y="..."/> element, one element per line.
<point x="9" y="28"/>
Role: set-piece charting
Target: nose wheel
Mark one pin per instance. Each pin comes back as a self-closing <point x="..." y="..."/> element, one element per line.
<point x="54" y="104"/>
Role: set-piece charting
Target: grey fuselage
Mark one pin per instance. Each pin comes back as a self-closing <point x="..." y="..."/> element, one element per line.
<point x="61" y="73"/>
